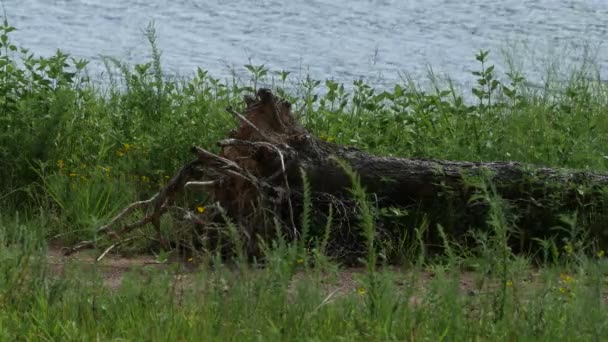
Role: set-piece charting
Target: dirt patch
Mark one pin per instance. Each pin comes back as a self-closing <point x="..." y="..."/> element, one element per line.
<point x="113" y="268"/>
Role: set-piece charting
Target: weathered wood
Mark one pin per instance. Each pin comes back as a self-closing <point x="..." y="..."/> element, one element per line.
<point x="256" y="183"/>
<point x="535" y="196"/>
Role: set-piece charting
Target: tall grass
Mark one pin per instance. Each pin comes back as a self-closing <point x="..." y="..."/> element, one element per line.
<point x="74" y="153"/>
<point x="285" y="301"/>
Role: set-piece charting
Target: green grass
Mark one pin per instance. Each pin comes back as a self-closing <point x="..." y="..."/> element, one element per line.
<point x="286" y="300"/>
<point x="73" y="153"/>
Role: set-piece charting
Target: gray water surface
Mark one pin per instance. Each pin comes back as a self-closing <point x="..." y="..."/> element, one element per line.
<point x="376" y="40"/>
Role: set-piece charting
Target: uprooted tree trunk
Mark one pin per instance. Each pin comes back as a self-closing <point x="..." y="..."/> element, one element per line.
<point x="256" y="183"/>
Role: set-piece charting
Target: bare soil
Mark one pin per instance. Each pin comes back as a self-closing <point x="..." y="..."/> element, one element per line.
<point x="113" y="269"/>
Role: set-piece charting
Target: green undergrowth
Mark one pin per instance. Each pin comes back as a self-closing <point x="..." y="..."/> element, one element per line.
<point x="74" y="151"/>
<point x="295" y="294"/>
<point x="80" y="149"/>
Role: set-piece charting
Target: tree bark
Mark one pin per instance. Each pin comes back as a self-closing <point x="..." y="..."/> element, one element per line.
<point x="256" y="183"/>
<point x="535" y="199"/>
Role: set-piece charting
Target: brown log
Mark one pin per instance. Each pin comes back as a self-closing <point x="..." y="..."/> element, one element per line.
<point x="256" y="183"/>
<point x="535" y="196"/>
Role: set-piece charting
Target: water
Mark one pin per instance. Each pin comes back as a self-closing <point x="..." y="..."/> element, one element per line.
<point x="375" y="40"/>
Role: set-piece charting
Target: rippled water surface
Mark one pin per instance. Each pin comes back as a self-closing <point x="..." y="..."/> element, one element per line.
<point x="372" y="39"/>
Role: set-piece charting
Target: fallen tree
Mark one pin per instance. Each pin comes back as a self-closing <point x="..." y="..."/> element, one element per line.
<point x="255" y="182"/>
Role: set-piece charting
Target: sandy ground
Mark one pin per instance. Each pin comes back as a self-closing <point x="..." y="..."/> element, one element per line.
<point x="114" y="268"/>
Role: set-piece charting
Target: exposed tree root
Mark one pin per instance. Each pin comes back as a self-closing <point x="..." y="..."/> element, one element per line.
<point x="255" y="181"/>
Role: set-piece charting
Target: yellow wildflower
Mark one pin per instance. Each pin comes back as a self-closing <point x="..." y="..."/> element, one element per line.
<point x="60" y="164"/>
<point x="361" y="291"/>
<point x="566" y="278"/>
<point x="72" y="174"/>
<point x="327" y="138"/>
<point x="120" y="153"/>
<point x="601" y="253"/>
<point x="145" y="179"/>
<point x="200" y="209"/>
<point x="568" y="248"/>
<point x="300" y="261"/>
<point x="190" y="259"/>
<point x="126" y="146"/>
<point x="509" y="283"/>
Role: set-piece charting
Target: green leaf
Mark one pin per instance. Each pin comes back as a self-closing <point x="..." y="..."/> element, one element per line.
<point x="479" y="93"/>
<point x="481" y="56"/>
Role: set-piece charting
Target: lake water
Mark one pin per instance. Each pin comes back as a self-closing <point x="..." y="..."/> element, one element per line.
<point x="375" y="40"/>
